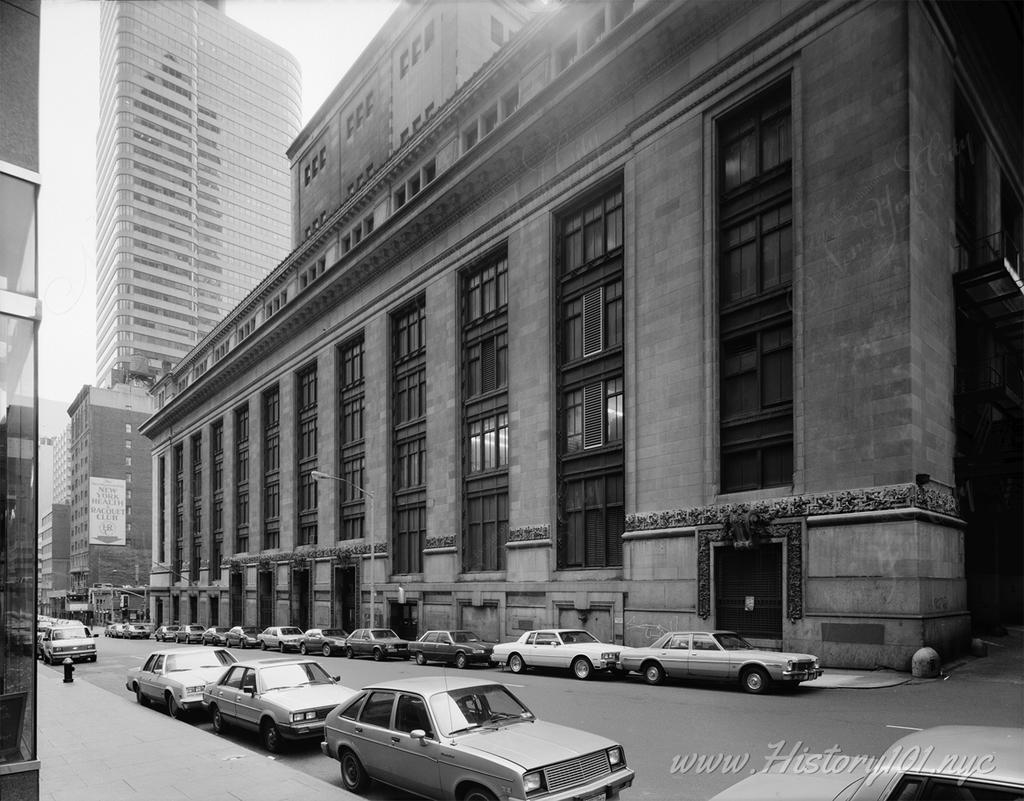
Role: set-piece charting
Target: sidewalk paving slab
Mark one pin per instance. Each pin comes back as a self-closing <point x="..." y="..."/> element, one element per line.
<point x="94" y="746"/>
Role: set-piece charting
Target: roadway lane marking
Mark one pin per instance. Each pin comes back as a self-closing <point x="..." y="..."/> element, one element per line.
<point x="908" y="728"/>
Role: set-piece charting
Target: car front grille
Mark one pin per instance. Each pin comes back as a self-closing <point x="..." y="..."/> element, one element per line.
<point x="576" y="771"/>
<point x="321" y="714"/>
<point x="803" y="664"/>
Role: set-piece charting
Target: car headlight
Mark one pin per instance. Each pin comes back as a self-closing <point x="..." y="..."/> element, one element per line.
<point x="615" y="758"/>
<point x="533" y="782"/>
<point x="390" y="647"/>
<point x="815" y="664"/>
<point x="299" y="717"/>
<point x="789" y="664"/>
<point x="610" y="655"/>
<point x="195" y="690"/>
<point x="478" y="650"/>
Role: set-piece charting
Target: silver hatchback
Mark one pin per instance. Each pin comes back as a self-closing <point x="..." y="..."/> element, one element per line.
<point x="445" y="737"/>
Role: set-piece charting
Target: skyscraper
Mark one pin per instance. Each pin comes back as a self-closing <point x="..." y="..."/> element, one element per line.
<point x="193" y="205"/>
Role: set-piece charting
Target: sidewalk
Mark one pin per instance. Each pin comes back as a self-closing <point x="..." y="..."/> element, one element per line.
<point x="94" y="746"/>
<point x="1004" y="663"/>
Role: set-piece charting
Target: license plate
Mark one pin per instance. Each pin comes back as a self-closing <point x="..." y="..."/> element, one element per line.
<point x="598" y="797"/>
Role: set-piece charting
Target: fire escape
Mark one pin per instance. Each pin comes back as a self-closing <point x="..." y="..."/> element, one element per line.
<point x="990" y="423"/>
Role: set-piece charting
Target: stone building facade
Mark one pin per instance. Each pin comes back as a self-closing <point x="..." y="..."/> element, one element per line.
<point x="666" y="337"/>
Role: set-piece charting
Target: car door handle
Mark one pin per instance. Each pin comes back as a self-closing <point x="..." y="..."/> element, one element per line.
<point x="358" y="729"/>
<point x="396" y="740"/>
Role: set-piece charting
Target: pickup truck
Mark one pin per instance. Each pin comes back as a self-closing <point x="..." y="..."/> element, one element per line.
<point x="72" y="641"/>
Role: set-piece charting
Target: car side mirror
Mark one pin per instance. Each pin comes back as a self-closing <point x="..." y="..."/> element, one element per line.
<point x="251" y="691"/>
<point x="419" y="734"/>
<point x="336" y="678"/>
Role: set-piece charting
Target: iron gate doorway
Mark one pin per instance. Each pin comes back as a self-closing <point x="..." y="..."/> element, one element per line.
<point x="748" y="590"/>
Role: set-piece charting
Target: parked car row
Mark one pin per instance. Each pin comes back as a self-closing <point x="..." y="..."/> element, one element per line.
<point x="690" y="655"/>
<point x="486" y="741"/>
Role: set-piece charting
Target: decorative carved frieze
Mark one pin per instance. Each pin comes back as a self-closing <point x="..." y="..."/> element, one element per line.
<point x="442" y="541"/>
<point x="870" y="499"/>
<point x="342" y="553"/>
<point x="528" y="534"/>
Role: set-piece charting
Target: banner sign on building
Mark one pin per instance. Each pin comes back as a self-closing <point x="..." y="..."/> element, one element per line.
<point x="107" y="511"/>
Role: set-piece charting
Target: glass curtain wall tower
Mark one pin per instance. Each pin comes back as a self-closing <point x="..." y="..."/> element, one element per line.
<point x="193" y="205"/>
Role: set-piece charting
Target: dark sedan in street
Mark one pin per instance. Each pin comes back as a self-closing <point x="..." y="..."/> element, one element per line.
<point x="381" y="644"/>
<point x="242" y="637"/>
<point x="460" y="648"/>
<point x="215" y="635"/>
<point x="323" y="641"/>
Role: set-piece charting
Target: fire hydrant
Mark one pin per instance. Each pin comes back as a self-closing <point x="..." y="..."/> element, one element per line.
<point x="69" y="668"/>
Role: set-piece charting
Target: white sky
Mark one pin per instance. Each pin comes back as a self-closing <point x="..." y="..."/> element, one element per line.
<point x="326" y="36"/>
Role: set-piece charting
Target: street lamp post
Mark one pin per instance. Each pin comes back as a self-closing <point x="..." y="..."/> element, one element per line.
<point x="317" y="475"/>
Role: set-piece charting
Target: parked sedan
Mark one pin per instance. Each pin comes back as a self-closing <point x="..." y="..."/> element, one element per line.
<point x="281" y="699"/>
<point x="444" y="737"/>
<point x="323" y="641"/>
<point x="575" y="649"/>
<point x="459" y="648"/>
<point x="942" y="762"/>
<point x="242" y="636"/>
<point x="165" y="633"/>
<point x="718" y="656"/>
<point x="115" y="630"/>
<point x="381" y="644"/>
<point x="137" y="631"/>
<point x="176" y="677"/>
<point x="190" y="632"/>
<point x="215" y="635"/>
<point x="280" y="638"/>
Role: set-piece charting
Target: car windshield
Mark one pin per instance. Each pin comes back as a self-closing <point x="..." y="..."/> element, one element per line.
<point x="383" y="634"/>
<point x="194" y="660"/>
<point x="471" y="707"/>
<point x="68" y="634"/>
<point x="299" y="674"/>
<point x="333" y="632"/>
<point x="290" y="630"/>
<point x="578" y="637"/>
<point x="250" y="630"/>
<point x="733" y="642"/>
<point x="464" y="636"/>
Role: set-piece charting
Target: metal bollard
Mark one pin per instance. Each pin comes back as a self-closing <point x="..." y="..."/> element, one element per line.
<point x="69" y="668"/>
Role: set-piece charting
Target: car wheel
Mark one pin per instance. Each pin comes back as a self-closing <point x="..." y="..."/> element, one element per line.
<point x="270" y="735"/>
<point x="421" y="659"/>
<point x="350" y="653"/>
<point x="172" y="707"/>
<point x="755" y="680"/>
<point x="378" y="655"/>
<point x="139" y="697"/>
<point x="242" y="645"/>
<point x="280" y="647"/>
<point x="326" y="650"/>
<point x="353" y="774"/>
<point x="581" y="668"/>
<point x="653" y="673"/>
<point x="516" y="663"/>
<point x="302" y="648"/>
<point x="263" y="645"/>
<point x="476" y="793"/>
<point x="219" y="725"/>
<point x="461" y="661"/>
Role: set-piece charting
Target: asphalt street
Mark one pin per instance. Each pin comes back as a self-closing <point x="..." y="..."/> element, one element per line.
<point x="686" y="741"/>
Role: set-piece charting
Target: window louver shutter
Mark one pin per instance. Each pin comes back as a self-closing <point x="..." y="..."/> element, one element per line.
<point x="593" y="416"/>
<point x="488" y="375"/>
<point x="593" y="321"/>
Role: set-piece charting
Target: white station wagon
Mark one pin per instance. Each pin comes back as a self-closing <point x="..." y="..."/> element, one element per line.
<point x="574" y="649"/>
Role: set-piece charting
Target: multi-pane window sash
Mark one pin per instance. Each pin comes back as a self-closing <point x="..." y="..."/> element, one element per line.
<point x="410" y="331"/>
<point x="488" y="443"/>
<point x="411" y="461"/>
<point x="595" y="520"/>
<point x="593" y="232"/>
<point x="486" y="532"/>
<point x="487" y="364"/>
<point x="411" y="395"/>
<point x="592" y="322"/>
<point x="594" y="415"/>
<point x="487" y="290"/>
<point x="755" y="314"/>
<point x="410" y="535"/>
